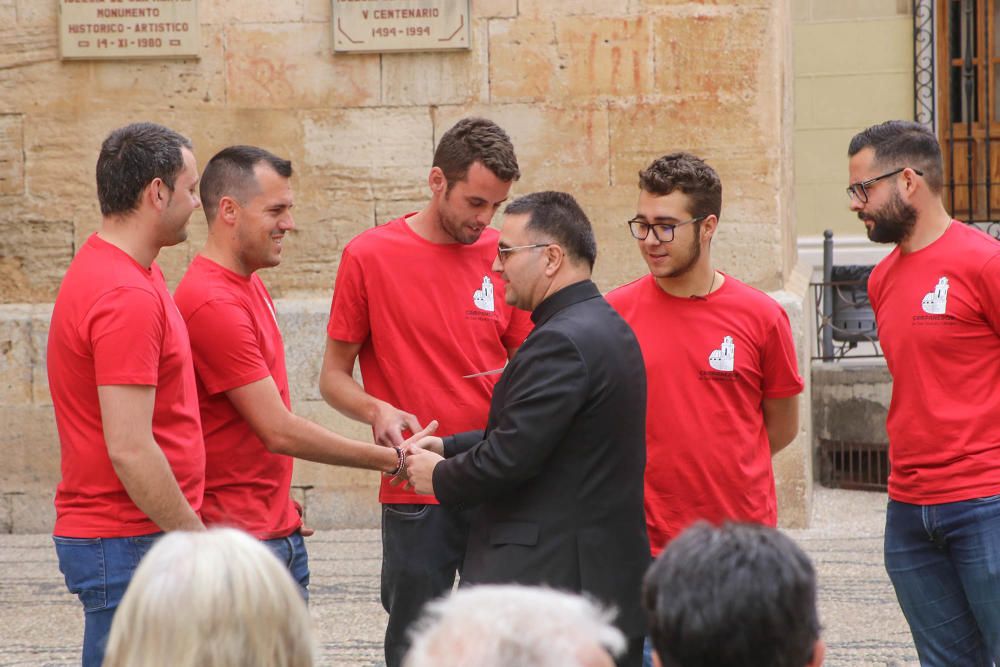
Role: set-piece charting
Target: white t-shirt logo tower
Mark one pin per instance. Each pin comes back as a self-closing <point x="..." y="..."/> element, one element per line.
<point x="483" y="297"/>
<point x="936" y="302"/>
<point x="724" y="359"/>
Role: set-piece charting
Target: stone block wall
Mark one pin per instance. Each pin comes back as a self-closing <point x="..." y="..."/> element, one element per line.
<point x="589" y="90"/>
<point x="851" y="400"/>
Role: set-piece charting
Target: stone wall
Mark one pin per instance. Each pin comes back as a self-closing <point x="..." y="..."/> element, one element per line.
<point x="850" y="403"/>
<point x="589" y="90"/>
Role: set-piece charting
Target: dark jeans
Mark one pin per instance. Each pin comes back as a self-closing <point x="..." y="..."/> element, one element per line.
<point x="944" y="562"/>
<point x="98" y="570"/>
<point x="291" y="551"/>
<point x="647" y="652"/>
<point x="423" y="547"/>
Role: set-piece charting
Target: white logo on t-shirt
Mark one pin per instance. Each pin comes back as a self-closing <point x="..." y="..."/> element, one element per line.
<point x="936" y="302"/>
<point x="483" y="297"/>
<point x="724" y="359"/>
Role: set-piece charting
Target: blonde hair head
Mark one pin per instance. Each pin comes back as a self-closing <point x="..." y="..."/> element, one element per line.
<point x="212" y="599"/>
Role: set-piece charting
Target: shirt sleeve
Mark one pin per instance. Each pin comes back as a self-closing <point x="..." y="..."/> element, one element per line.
<point x="780" y="365"/>
<point x="125" y="328"/>
<point x="545" y="390"/>
<point x="873" y="283"/>
<point x="989" y="292"/>
<point x="518" y="328"/>
<point x="349" y="311"/>
<point x="225" y="346"/>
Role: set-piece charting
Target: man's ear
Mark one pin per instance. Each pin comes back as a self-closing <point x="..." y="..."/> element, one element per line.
<point x="819" y="652"/>
<point x="554" y="258"/>
<point x="708" y="227"/>
<point x="909" y="180"/>
<point x="437" y="181"/>
<point x="228" y="208"/>
<point x="156" y="194"/>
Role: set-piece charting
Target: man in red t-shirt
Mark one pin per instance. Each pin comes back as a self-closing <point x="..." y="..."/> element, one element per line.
<point x="251" y="434"/>
<point x="122" y="383"/>
<point x="720" y="362"/>
<point x="936" y="298"/>
<point x="721" y="371"/>
<point x="417" y="302"/>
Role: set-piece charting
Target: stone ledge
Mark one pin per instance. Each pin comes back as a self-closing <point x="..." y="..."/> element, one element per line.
<point x="353" y="507"/>
<point x="29" y="511"/>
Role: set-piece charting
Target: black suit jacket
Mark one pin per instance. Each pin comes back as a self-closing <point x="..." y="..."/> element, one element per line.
<point x="558" y="473"/>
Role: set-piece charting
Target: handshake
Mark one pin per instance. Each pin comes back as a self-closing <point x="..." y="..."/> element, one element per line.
<point x="417" y="457"/>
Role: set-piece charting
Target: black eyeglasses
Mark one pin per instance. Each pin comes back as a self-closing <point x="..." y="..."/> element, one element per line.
<point x="859" y="191"/>
<point x="503" y="252"/>
<point x="663" y="232"/>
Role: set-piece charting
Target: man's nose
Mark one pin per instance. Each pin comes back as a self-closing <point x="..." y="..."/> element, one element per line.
<point x="287" y="223"/>
<point x="485" y="216"/>
<point x="497" y="264"/>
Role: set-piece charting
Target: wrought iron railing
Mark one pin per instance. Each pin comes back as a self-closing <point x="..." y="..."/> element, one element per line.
<point x="991" y="228"/>
<point x="845" y="322"/>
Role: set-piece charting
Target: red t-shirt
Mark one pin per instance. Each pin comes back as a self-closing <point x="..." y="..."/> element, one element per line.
<point x="710" y="362"/>
<point x="427" y="314"/>
<point x="235" y="341"/>
<point x="114" y="323"/>
<point x="938" y="315"/>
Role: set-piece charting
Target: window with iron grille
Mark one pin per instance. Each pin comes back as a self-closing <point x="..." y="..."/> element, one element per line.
<point x="957" y="86"/>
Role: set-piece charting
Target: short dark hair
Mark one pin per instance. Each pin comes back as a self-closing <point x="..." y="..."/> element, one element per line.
<point x="689" y="174"/>
<point x="131" y="157"/>
<point x="737" y="595"/>
<point x="230" y="173"/>
<point x="556" y="215"/>
<point x="903" y="143"/>
<point x="476" y="140"/>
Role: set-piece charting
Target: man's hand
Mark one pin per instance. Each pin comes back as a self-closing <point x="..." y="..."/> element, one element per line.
<point x="390" y="423"/>
<point x="304" y="530"/>
<point x="420" y="470"/>
<point x="426" y="441"/>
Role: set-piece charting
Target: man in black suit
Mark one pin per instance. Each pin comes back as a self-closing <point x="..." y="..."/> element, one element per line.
<point x="557" y="474"/>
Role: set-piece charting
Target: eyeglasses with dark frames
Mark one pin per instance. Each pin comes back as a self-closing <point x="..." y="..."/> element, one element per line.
<point x="859" y="190"/>
<point x="663" y="232"/>
<point x="503" y="252"/>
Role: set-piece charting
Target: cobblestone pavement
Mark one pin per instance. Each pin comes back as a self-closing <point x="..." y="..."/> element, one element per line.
<point x="41" y="623"/>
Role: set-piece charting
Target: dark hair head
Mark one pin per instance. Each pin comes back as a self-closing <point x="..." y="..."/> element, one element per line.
<point x="737" y="595"/>
<point x="476" y="140"/>
<point x="690" y="175"/>
<point x="557" y="216"/>
<point x="131" y="157"/>
<point x="903" y="143"/>
<point x="230" y="173"/>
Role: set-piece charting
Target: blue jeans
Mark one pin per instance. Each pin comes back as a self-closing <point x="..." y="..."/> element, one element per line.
<point x="423" y="546"/>
<point x="98" y="570"/>
<point x="944" y="562"/>
<point x="291" y="551"/>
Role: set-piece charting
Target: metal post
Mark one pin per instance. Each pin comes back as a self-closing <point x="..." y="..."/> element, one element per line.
<point x="969" y="90"/>
<point x="987" y="67"/>
<point x="827" y="295"/>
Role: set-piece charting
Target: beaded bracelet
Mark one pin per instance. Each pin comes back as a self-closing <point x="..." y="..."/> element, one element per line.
<point x="400" y="461"/>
